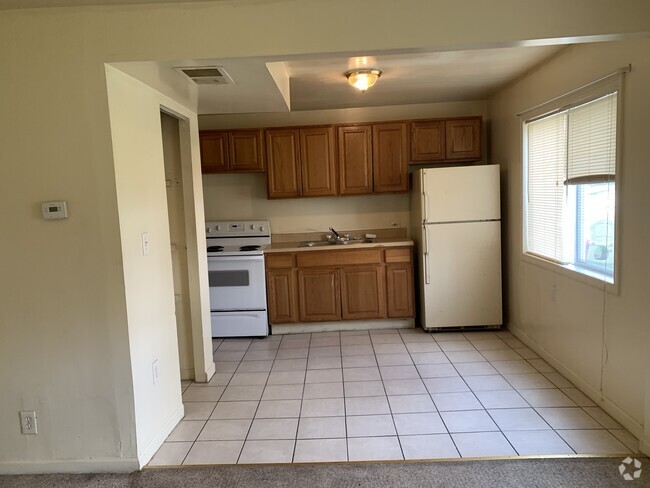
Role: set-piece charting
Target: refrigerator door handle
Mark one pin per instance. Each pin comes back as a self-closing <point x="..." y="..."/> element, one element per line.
<point x="427" y="278"/>
<point x="425" y="204"/>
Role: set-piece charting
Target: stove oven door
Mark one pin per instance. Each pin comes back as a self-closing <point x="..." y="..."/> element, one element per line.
<point x="237" y="283"/>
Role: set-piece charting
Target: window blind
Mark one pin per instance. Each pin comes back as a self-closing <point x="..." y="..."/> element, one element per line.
<point x="547" y="156"/>
<point x="591" y="155"/>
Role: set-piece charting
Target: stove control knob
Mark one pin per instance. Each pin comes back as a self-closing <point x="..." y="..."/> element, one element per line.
<point x="218" y="227"/>
<point x="261" y="228"/>
<point x="252" y="226"/>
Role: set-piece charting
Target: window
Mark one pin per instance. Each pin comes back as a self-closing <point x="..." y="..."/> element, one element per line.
<point x="570" y="185"/>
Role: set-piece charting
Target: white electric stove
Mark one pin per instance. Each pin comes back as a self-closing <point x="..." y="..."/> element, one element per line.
<point x="237" y="277"/>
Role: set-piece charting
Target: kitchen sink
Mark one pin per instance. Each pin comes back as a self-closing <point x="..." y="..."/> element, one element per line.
<point x="335" y="243"/>
<point x="316" y="243"/>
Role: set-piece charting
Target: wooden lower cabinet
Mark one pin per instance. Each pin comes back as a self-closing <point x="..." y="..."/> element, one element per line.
<point x="399" y="290"/>
<point x="319" y="296"/>
<point x="282" y="297"/>
<point x="328" y="286"/>
<point x="363" y="293"/>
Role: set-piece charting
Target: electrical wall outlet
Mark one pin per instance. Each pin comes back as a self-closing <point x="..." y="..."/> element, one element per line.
<point x="394" y="224"/>
<point x="154" y="371"/>
<point x="28" y="422"/>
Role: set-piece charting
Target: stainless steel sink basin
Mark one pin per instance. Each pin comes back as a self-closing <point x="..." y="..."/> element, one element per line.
<point x="334" y="243"/>
<point x="316" y="243"/>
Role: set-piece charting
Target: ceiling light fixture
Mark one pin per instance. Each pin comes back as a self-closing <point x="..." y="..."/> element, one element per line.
<point x="363" y="78"/>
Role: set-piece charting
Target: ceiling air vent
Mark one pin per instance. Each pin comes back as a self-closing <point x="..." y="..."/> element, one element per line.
<point x="206" y="75"/>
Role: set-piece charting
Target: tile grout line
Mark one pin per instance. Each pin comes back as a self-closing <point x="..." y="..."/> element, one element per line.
<point x="430" y="396"/>
<point x="259" y="402"/>
<point x="392" y="418"/>
<point x="217" y="402"/>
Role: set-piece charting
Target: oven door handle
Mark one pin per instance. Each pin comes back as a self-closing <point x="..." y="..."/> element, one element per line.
<point x="236" y="258"/>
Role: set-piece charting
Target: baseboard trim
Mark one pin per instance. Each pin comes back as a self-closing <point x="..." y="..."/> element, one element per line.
<point x="147" y="453"/>
<point x="343" y="325"/>
<point x="595" y="395"/>
<point x="644" y="447"/>
<point x="97" y="465"/>
<point x="187" y="374"/>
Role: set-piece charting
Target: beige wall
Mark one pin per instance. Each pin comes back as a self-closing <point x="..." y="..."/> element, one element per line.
<point x="599" y="336"/>
<point x="64" y="345"/>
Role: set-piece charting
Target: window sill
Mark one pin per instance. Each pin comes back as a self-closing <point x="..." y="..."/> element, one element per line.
<point x="588" y="277"/>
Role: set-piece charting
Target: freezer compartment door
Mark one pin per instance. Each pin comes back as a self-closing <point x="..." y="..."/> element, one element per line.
<point x="463" y="261"/>
<point x="464" y="193"/>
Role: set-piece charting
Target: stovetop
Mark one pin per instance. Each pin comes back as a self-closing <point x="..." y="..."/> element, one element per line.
<point x="233" y="238"/>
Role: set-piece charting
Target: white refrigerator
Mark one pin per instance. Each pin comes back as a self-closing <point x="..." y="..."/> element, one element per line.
<point x="456" y="224"/>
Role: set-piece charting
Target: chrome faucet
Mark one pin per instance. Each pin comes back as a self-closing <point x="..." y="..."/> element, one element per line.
<point x="335" y="233"/>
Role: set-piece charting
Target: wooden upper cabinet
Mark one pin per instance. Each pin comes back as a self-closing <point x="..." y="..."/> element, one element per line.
<point x="427" y="140"/>
<point x="463" y="139"/>
<point x="246" y="150"/>
<point x="232" y="151"/>
<point x="317" y="162"/>
<point x="283" y="171"/>
<point x="319" y="294"/>
<point x="363" y="292"/>
<point x="355" y="159"/>
<point x="390" y="157"/>
<point x="214" y="151"/>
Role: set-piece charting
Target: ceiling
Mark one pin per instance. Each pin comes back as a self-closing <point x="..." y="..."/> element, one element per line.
<point x="20" y="4"/>
<point x="318" y="82"/>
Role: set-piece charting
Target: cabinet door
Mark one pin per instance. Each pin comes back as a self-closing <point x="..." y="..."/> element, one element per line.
<point x="427" y="140"/>
<point x="317" y="162"/>
<point x="355" y="159"/>
<point x="390" y="157"/>
<point x="363" y="293"/>
<point x="246" y="150"/>
<point x="463" y="139"/>
<point x="399" y="290"/>
<point x="281" y="290"/>
<point x="214" y="151"/>
<point x="319" y="295"/>
<point x="283" y="173"/>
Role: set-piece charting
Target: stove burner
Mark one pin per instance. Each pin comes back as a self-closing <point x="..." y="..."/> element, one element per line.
<point x="249" y="248"/>
<point x="215" y="248"/>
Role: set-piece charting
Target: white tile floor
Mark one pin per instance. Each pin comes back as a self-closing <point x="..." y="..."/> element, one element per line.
<point x="384" y="395"/>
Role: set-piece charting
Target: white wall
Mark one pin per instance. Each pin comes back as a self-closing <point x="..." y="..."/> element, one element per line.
<point x="64" y="336"/>
<point x="600" y="337"/>
<point x="142" y="202"/>
<point x="176" y="212"/>
<point x="243" y="196"/>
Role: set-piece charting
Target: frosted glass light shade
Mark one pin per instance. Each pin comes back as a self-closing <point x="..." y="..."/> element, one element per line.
<point x="363" y="79"/>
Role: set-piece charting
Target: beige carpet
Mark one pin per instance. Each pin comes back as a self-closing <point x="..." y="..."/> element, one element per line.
<point x="588" y="473"/>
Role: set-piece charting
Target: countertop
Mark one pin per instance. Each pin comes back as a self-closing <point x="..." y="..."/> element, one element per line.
<point x="295" y="246"/>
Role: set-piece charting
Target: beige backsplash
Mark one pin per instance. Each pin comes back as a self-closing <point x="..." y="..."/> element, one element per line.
<point x="390" y="233"/>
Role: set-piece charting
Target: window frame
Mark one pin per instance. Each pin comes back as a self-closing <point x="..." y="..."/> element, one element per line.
<point x="592" y="91"/>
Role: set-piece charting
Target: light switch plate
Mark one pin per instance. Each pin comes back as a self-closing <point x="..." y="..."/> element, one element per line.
<point x="145" y="243"/>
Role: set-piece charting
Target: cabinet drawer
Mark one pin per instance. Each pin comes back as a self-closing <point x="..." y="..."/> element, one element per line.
<point x="400" y="255"/>
<point x="339" y="258"/>
<point x="275" y="261"/>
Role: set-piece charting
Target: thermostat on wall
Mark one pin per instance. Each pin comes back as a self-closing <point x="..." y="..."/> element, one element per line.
<point x="54" y="210"/>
